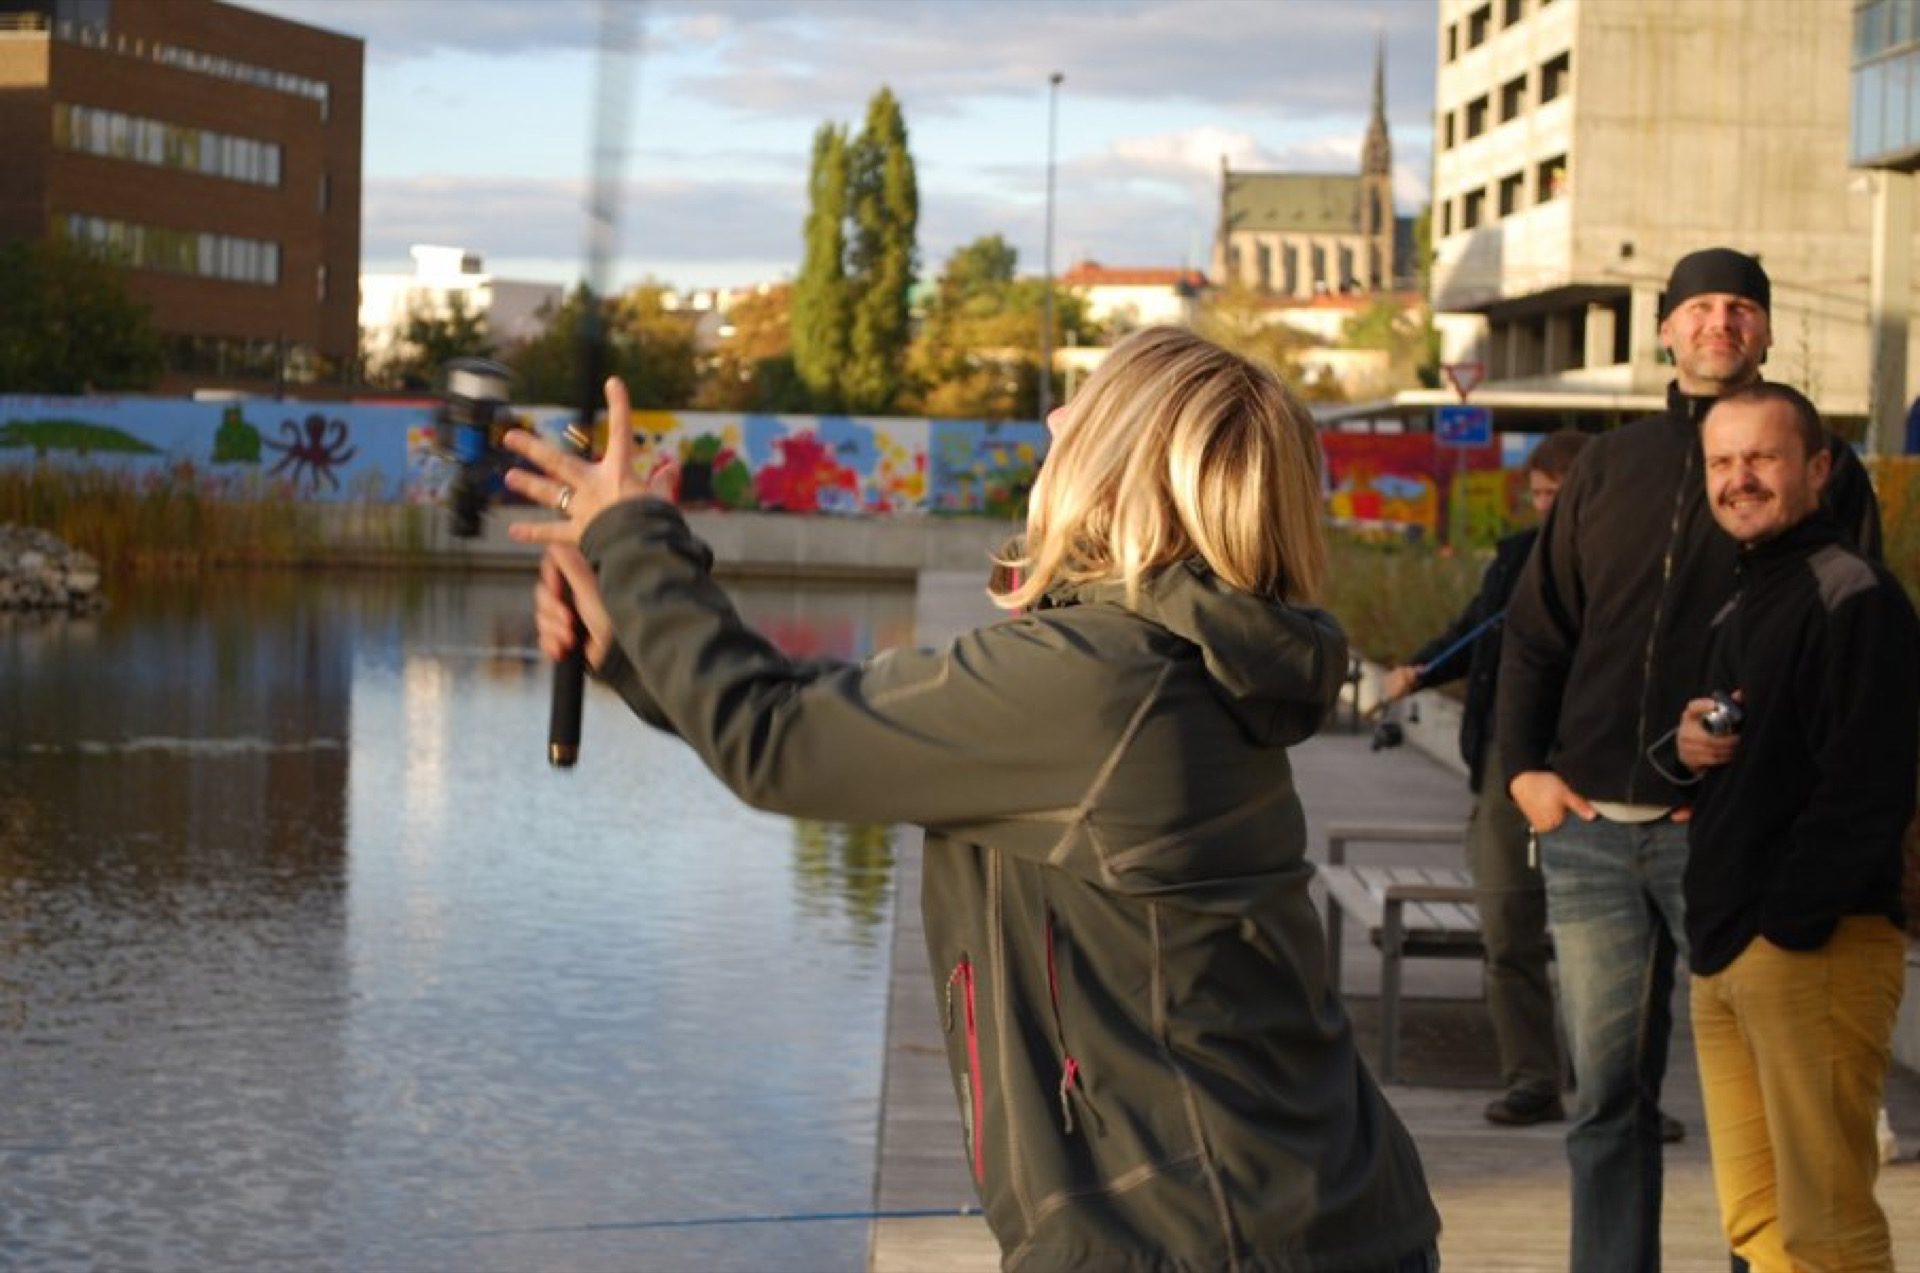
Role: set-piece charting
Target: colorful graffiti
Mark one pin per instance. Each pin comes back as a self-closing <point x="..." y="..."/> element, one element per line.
<point x="1405" y="484"/>
<point x="985" y="468"/>
<point x="306" y="450"/>
<point x="1394" y="484"/>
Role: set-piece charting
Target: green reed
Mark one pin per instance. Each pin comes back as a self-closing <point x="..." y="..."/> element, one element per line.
<point x="184" y="519"/>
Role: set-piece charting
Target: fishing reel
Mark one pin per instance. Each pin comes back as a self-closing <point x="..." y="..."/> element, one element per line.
<point x="468" y="425"/>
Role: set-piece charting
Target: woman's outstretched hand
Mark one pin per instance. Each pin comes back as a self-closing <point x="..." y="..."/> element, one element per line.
<point x="580" y="489"/>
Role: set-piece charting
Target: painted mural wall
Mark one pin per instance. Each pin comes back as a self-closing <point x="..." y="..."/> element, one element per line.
<point x="1393" y="484"/>
<point x="385" y="451"/>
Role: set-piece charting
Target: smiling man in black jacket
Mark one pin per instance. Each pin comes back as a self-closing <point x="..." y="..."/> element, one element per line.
<point x="1606" y="641"/>
<point x="1793" y="886"/>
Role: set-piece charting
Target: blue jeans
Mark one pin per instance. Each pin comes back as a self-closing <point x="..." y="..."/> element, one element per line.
<point x="1614" y="905"/>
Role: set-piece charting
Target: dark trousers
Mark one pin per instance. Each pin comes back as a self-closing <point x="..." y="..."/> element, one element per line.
<point x="1512" y="897"/>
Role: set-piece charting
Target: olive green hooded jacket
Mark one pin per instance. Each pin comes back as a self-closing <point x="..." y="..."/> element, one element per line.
<point x="1152" y="1070"/>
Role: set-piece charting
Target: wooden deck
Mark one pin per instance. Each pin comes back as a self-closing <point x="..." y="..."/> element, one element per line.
<point x="1502" y="1192"/>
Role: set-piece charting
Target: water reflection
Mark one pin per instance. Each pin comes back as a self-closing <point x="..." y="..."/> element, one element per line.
<point x="306" y="959"/>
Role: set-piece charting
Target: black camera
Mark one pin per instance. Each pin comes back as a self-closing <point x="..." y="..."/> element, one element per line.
<point x="467" y="427"/>
<point x="1724" y="718"/>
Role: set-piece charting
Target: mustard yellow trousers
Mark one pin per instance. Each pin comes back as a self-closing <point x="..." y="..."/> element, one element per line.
<point x="1794" y="1048"/>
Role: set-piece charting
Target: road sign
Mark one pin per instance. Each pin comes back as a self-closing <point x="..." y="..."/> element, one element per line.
<point x="1462" y="426"/>
<point x="1463" y="376"/>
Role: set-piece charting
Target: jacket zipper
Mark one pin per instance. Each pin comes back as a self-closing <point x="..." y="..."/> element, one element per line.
<point x="975" y="1114"/>
<point x="1653" y="633"/>
<point x="1069" y="1068"/>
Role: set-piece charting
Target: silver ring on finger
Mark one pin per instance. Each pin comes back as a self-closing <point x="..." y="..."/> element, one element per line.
<point x="564" y="500"/>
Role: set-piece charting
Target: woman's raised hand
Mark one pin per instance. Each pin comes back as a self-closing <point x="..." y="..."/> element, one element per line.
<point x="580" y="489"/>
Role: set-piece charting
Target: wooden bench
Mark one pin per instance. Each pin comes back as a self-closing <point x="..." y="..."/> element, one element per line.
<point x="1408" y="911"/>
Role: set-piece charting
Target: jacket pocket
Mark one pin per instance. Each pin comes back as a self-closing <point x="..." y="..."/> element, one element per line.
<point x="973" y="1116"/>
<point x="1069" y="1068"/>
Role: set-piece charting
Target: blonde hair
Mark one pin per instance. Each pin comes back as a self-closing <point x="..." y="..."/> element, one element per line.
<point x="1176" y="448"/>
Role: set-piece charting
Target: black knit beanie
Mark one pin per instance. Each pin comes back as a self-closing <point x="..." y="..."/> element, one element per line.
<point x="1717" y="270"/>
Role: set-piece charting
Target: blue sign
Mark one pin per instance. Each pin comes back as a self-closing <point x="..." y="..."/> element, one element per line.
<point x="1463" y="426"/>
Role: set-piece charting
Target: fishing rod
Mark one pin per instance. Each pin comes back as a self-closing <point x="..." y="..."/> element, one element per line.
<point x="1473" y="634"/>
<point x="613" y="77"/>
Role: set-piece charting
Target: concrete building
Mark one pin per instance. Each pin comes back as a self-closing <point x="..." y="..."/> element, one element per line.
<point x="211" y="151"/>
<point x="1886" y="140"/>
<point x="1124" y="300"/>
<point x="512" y="309"/>
<point x="1311" y="234"/>
<point x="1582" y="146"/>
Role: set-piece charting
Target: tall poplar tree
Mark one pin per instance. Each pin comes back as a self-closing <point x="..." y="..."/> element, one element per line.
<point x="886" y="213"/>
<point x="822" y="317"/>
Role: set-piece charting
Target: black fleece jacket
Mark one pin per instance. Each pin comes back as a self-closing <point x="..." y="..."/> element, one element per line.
<point x="1805" y="824"/>
<point x="1607" y="632"/>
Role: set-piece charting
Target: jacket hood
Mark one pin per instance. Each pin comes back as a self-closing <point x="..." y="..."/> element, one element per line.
<point x="1278" y="668"/>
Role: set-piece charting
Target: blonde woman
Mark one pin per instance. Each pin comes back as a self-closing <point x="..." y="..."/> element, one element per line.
<point x="1151" y="1068"/>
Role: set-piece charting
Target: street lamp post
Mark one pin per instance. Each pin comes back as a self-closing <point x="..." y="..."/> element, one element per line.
<point x="1046" y="321"/>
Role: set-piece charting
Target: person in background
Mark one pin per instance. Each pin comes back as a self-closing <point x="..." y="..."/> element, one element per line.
<point x="1795" y="933"/>
<point x="1151" y="1066"/>
<point x="1508" y="890"/>
<point x="1606" y="639"/>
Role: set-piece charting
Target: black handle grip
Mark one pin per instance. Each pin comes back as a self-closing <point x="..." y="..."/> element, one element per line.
<point x="569" y="687"/>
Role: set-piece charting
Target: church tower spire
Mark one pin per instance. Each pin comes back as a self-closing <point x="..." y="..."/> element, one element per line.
<point x="1376" y="157"/>
<point x="1376" y="182"/>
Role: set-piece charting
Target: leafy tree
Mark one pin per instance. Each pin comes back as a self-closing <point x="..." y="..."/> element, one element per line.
<point x="752" y="369"/>
<point x="67" y="324"/>
<point x="821" y="303"/>
<point x="850" y="310"/>
<point x="655" y="348"/>
<point x="431" y="337"/>
<point x="1238" y="317"/>
<point x="650" y="346"/>
<point x="976" y="356"/>
<point x="1411" y="343"/>
<point x="886" y="213"/>
<point x="546" y="366"/>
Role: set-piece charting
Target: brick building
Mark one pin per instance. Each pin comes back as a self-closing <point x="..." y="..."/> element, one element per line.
<point x="213" y="153"/>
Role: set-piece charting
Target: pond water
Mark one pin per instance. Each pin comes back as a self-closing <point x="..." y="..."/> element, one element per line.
<point x="309" y="961"/>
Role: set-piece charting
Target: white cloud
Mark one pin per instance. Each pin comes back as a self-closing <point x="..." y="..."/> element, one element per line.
<point x="664" y="226"/>
<point x="1157" y="91"/>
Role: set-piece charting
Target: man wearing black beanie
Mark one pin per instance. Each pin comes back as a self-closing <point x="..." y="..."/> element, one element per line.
<point x="1606" y="641"/>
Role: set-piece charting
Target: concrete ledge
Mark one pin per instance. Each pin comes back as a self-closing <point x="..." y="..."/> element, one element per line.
<point x="888" y="549"/>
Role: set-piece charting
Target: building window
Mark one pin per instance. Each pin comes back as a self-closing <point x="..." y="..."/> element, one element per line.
<point x="147" y="247"/>
<point x="324" y="199"/>
<point x="1551" y="181"/>
<point x="1870" y="29"/>
<point x="1453" y="41"/>
<point x="1446" y="130"/>
<point x="115" y="135"/>
<point x="320" y="282"/>
<point x="1513" y="98"/>
<point x="1476" y="117"/>
<point x="1553" y="77"/>
<point x="1446" y="217"/>
<point x="1512" y="190"/>
<point x="1473" y="209"/>
<point x="1478" y="24"/>
<point x="1510" y="12"/>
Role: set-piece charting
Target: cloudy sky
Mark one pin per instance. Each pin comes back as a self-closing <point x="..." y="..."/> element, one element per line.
<point x="479" y="120"/>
